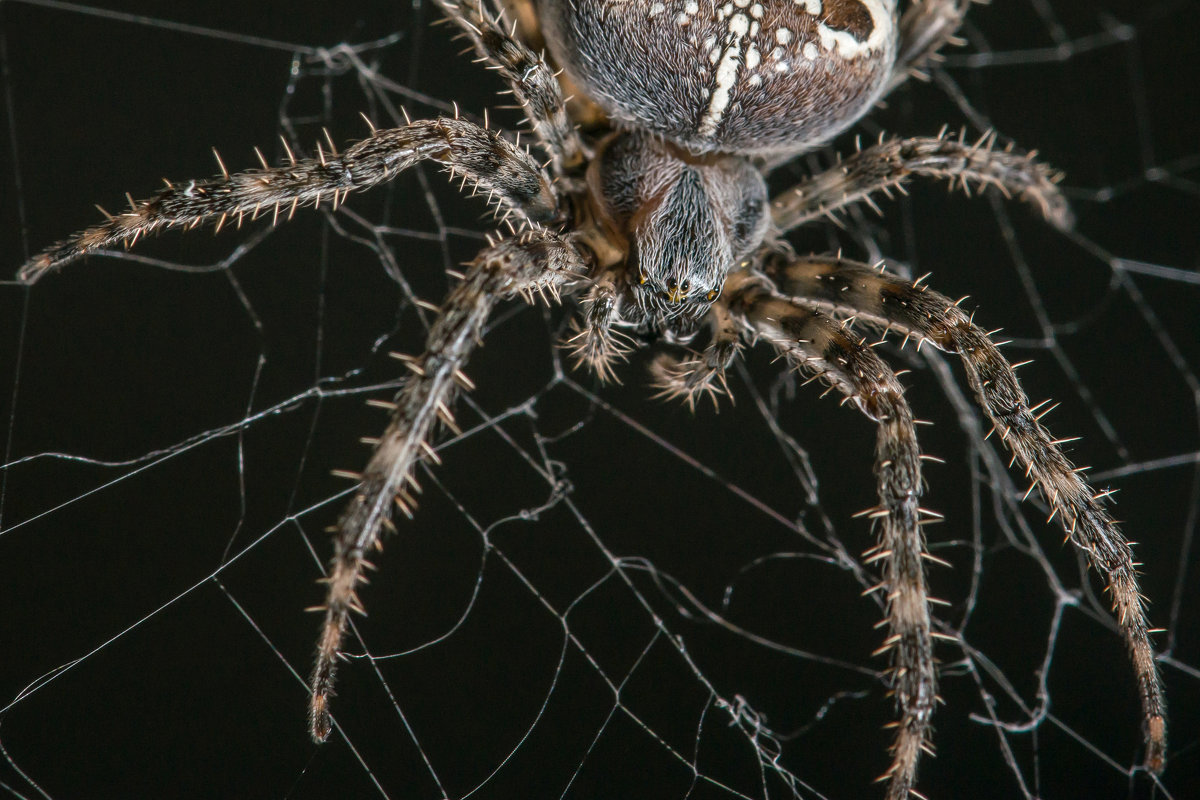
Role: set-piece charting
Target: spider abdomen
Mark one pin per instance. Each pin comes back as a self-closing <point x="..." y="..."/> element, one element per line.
<point x="745" y="76"/>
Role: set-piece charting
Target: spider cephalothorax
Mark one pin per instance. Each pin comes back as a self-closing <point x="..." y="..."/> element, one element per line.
<point x="686" y="220"/>
<point x="657" y="218"/>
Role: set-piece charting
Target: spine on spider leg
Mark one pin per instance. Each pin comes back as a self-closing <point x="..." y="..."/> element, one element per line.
<point x="503" y="171"/>
<point x="534" y="261"/>
<point x="819" y="347"/>
<point x="916" y="311"/>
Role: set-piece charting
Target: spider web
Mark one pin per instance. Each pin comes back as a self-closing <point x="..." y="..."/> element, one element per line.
<point x="602" y="595"/>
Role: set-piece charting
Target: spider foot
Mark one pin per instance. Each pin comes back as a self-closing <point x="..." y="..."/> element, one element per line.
<point x="600" y="349"/>
<point x="597" y="343"/>
<point x="689" y="379"/>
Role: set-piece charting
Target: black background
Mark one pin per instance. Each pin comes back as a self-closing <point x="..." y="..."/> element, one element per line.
<point x="120" y="358"/>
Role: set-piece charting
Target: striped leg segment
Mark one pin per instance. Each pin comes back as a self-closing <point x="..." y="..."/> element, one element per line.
<point x="820" y="347"/>
<point x="888" y="301"/>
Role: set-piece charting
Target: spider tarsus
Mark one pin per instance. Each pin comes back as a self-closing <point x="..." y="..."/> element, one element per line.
<point x="35" y="268"/>
<point x="320" y="723"/>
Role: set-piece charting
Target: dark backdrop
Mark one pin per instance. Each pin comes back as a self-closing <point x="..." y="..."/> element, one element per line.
<point x="170" y="425"/>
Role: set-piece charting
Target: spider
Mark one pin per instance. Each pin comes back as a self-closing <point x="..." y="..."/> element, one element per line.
<point x="652" y="211"/>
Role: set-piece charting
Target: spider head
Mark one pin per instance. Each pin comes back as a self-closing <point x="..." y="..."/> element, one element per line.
<point x="687" y="221"/>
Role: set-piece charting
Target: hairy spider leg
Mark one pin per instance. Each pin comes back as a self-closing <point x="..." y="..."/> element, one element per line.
<point x="534" y="261"/>
<point x="703" y="373"/>
<point x="820" y="347"/>
<point x="503" y="172"/>
<point x="597" y="344"/>
<point x="886" y="301"/>
<point x="889" y="164"/>
<point x="925" y="27"/>
<point x="532" y="82"/>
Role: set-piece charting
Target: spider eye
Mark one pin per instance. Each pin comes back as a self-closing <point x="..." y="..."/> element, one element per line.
<point x="712" y="295"/>
<point x="644" y="277"/>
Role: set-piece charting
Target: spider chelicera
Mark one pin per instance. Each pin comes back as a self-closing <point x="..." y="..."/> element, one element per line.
<point x="653" y="212"/>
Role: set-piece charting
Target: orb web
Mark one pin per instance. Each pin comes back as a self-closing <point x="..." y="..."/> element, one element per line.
<point x="601" y="595"/>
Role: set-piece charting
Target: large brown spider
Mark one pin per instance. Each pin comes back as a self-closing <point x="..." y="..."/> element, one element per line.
<point x="653" y="211"/>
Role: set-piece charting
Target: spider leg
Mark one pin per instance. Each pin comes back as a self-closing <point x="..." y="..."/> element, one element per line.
<point x="533" y="261"/>
<point x="890" y="163"/>
<point x="533" y="83"/>
<point x="819" y="346"/>
<point x="507" y="174"/>
<point x="705" y="374"/>
<point x="925" y="27"/>
<point x="888" y="301"/>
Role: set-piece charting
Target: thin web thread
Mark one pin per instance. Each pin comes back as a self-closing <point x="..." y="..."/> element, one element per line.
<point x="600" y="591"/>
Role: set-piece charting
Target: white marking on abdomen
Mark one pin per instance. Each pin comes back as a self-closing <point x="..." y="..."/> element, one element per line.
<point x="847" y="45"/>
<point x="727" y="72"/>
